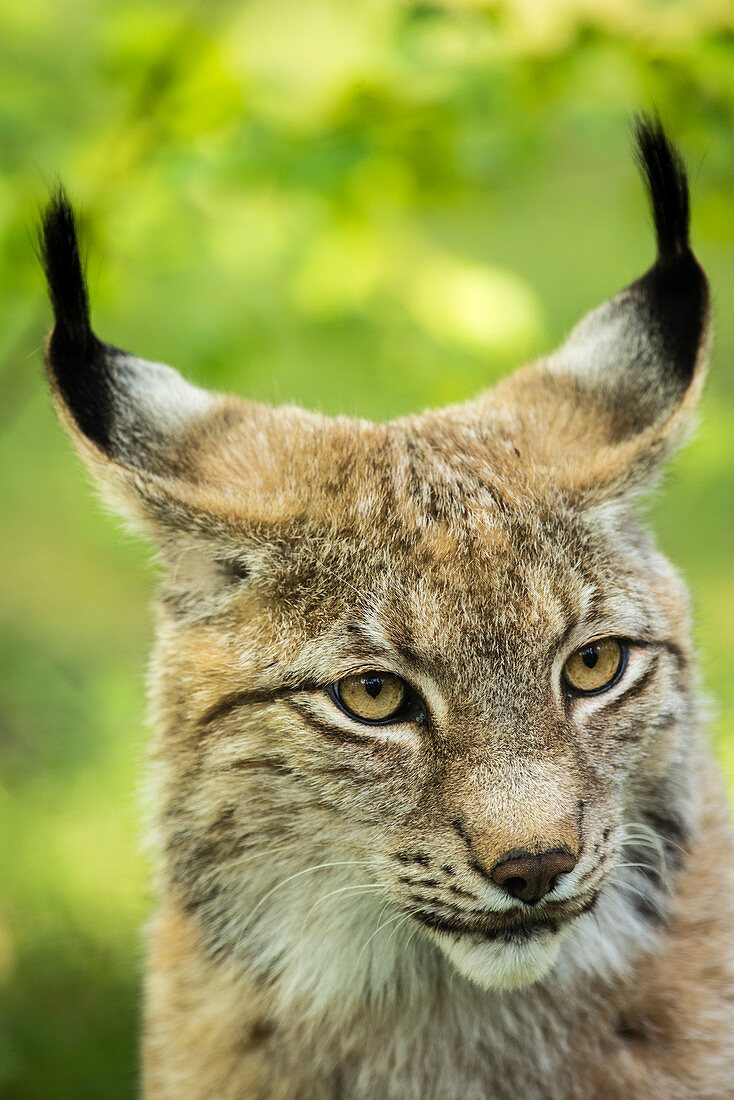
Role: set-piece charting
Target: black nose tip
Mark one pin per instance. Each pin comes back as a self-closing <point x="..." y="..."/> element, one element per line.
<point x="530" y="877"/>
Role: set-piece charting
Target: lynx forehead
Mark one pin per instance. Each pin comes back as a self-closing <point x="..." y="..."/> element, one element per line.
<point x="433" y="813"/>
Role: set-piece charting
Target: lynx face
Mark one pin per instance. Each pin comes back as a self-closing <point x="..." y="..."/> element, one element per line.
<point x="427" y="676"/>
<point x="488" y="797"/>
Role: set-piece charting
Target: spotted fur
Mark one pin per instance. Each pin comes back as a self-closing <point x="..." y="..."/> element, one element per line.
<point x="329" y="924"/>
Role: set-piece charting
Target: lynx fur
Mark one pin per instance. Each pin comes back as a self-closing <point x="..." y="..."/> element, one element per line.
<point x="336" y="916"/>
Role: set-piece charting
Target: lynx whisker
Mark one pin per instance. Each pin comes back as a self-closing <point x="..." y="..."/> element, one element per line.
<point x="622" y="885"/>
<point x="599" y="929"/>
<point x="643" y="867"/>
<point x="647" y="837"/>
<point x="396" y="929"/>
<point x="299" y="874"/>
<point x="380" y="926"/>
<point x="654" y="836"/>
<point x="342" y="890"/>
<point x="412" y="936"/>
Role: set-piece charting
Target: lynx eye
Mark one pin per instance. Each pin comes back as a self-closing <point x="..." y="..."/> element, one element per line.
<point x="595" y="667"/>
<point x="371" y="696"/>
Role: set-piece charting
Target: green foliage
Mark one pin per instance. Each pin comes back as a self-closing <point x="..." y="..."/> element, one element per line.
<point x="365" y="206"/>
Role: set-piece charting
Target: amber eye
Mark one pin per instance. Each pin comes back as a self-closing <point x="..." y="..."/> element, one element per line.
<point x="595" y="667"/>
<point x="372" y="696"/>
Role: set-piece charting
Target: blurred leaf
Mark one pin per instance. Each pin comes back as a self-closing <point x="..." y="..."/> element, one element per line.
<point x="478" y="306"/>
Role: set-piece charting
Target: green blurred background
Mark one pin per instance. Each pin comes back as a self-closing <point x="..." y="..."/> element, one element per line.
<point x="365" y="206"/>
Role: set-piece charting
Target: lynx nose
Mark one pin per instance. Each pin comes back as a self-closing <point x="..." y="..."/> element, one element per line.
<point x="530" y="877"/>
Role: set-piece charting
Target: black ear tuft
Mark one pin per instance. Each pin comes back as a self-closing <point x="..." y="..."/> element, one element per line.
<point x="665" y="176"/>
<point x="76" y="359"/>
<point x="63" y="267"/>
<point x="674" y="292"/>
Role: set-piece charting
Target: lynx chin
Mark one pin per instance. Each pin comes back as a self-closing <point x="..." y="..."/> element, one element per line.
<point x="434" y="814"/>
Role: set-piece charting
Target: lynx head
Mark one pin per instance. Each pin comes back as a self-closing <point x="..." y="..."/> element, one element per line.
<point x="421" y="688"/>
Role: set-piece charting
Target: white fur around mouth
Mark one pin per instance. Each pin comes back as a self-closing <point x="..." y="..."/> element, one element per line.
<point x="503" y="963"/>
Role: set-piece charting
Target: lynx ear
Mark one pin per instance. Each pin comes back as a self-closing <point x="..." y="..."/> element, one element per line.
<point x="130" y="419"/>
<point x="619" y="395"/>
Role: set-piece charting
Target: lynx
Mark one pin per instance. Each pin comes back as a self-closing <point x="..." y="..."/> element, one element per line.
<point x="434" y="816"/>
